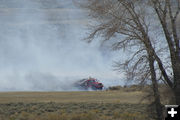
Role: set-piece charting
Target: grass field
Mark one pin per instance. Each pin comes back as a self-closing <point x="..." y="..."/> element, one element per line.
<point x="84" y="105"/>
<point x="72" y="97"/>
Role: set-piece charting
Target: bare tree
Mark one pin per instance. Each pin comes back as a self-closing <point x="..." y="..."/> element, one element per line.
<point x="127" y="24"/>
<point x="168" y="12"/>
<point x="129" y="20"/>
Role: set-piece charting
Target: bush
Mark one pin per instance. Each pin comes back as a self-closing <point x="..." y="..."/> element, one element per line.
<point x="115" y="88"/>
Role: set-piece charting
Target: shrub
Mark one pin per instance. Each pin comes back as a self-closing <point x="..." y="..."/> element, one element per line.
<point x="115" y="88"/>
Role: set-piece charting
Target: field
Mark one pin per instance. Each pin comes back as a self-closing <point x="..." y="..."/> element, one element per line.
<point x="84" y="105"/>
<point x="72" y="97"/>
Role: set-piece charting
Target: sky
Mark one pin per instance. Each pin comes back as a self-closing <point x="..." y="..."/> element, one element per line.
<point x="42" y="47"/>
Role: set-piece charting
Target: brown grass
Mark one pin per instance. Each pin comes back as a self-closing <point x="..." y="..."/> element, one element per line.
<point x="72" y="97"/>
<point x="72" y="111"/>
<point x="116" y="104"/>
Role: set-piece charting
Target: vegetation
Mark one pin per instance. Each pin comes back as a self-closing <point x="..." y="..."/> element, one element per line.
<point x="72" y="97"/>
<point x="132" y="26"/>
<point x="116" y="103"/>
<point x="72" y="111"/>
<point x="93" y="105"/>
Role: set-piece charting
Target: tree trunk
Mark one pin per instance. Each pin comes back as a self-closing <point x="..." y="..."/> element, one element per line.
<point x="155" y="89"/>
<point x="177" y="86"/>
<point x="177" y="95"/>
<point x="176" y="72"/>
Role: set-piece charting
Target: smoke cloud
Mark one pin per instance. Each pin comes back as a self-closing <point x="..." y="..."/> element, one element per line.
<point x="41" y="47"/>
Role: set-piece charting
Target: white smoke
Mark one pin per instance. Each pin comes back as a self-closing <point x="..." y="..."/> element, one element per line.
<point x="41" y="47"/>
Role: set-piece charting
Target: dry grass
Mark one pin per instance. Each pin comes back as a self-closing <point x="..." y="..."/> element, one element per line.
<point x="72" y="111"/>
<point x="72" y="97"/>
<point x="116" y="104"/>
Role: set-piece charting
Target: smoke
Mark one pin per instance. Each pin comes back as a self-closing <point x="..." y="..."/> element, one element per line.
<point x="41" y="47"/>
